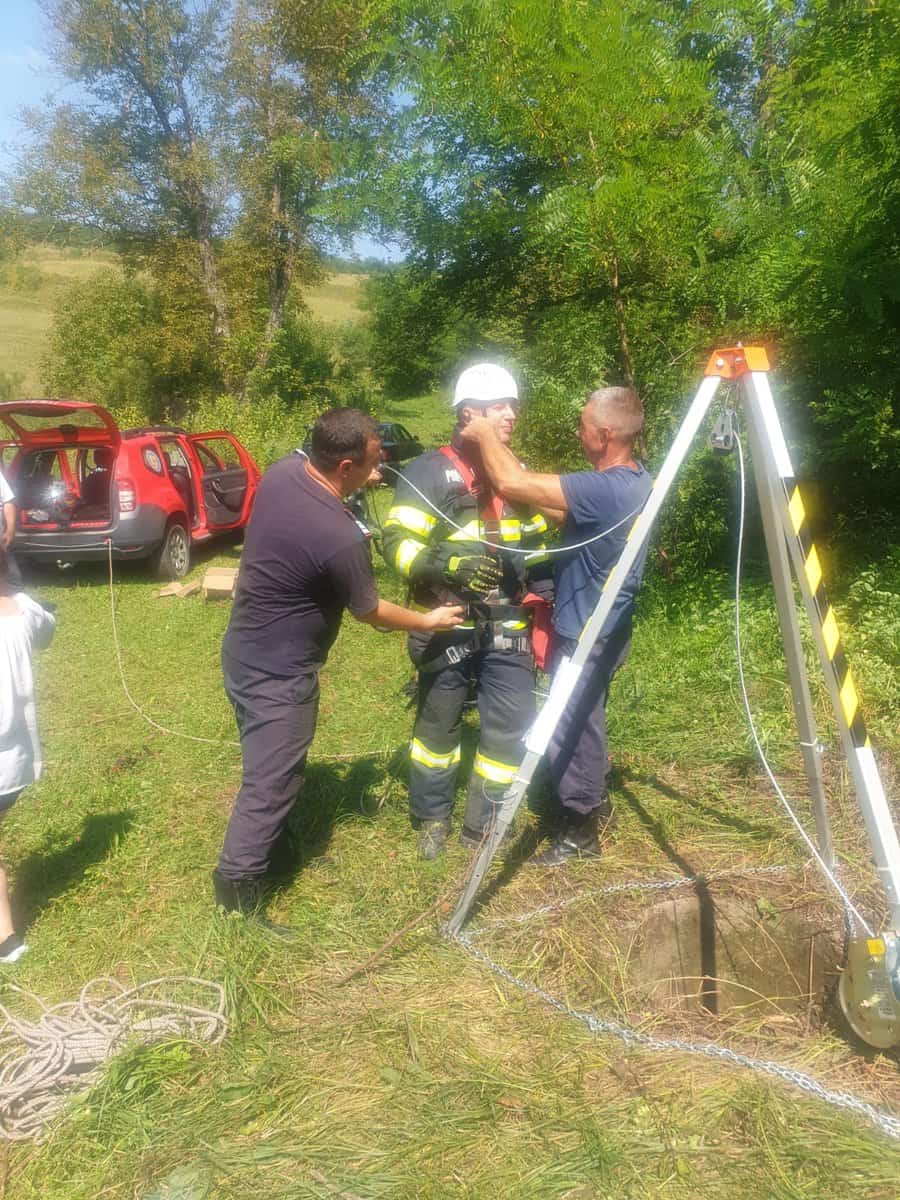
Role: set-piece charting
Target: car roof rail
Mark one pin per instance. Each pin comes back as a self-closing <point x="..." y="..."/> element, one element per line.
<point x="141" y="430"/>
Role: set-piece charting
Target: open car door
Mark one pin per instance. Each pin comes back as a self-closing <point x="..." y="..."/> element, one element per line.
<point x="228" y="478"/>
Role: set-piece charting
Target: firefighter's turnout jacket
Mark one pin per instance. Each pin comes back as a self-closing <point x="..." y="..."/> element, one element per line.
<point x="441" y="509"/>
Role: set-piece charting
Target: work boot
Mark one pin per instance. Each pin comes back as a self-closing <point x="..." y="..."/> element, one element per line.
<point x="432" y="840"/>
<point x="579" y="838"/>
<point x="247" y="897"/>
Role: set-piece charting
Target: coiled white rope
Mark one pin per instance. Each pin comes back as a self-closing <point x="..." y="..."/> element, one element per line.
<point x="193" y="737"/>
<point x="43" y="1061"/>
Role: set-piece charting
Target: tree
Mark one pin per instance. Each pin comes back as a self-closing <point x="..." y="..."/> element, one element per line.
<point x="606" y="190"/>
<point x="209" y="127"/>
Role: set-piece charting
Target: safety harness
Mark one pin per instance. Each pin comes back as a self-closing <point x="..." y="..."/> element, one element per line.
<point x="489" y="618"/>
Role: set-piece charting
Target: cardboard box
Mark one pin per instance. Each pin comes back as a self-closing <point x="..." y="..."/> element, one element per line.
<point x="219" y="583"/>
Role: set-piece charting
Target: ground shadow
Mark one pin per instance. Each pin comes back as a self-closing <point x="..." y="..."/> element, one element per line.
<point x="518" y="852"/>
<point x="329" y="793"/>
<point x="705" y="903"/>
<point x="755" y="829"/>
<point x="138" y="572"/>
<point x="51" y="871"/>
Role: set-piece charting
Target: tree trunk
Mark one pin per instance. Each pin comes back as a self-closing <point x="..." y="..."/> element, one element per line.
<point x="281" y="273"/>
<point x="624" y="347"/>
<point x="209" y="277"/>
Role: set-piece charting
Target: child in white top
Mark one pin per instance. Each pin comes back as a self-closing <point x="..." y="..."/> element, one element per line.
<point x="24" y="627"/>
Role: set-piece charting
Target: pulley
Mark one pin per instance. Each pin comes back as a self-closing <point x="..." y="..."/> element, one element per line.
<point x="869" y="991"/>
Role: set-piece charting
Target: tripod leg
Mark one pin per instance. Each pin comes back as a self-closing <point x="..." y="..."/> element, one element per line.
<point x="838" y="678"/>
<point x="566" y="676"/>
<point x="782" y="584"/>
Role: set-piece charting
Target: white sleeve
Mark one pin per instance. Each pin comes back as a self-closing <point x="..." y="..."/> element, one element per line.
<point x="41" y="624"/>
<point x="6" y="492"/>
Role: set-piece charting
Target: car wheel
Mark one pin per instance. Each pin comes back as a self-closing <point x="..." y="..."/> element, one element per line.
<point x="173" y="559"/>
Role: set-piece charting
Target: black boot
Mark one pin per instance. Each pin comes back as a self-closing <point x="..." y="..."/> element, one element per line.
<point x="579" y="838"/>
<point x="247" y="897"/>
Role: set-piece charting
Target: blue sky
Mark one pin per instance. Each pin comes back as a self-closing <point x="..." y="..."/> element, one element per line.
<point x="25" y="73"/>
<point x="27" y="78"/>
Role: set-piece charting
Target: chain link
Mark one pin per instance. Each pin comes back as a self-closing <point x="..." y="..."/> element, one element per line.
<point x="613" y="889"/>
<point x="884" y="1120"/>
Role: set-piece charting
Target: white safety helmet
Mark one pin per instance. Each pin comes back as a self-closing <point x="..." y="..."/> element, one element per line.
<point x="485" y="383"/>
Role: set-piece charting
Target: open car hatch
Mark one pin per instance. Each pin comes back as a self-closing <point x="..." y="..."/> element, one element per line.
<point x="33" y="424"/>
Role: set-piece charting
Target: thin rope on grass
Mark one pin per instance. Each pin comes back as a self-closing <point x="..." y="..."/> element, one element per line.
<point x="44" y="1061"/>
<point x="192" y="737"/>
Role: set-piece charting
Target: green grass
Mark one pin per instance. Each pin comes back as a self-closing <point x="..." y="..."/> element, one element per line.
<point x="425" y="1077"/>
<point x="429" y="418"/>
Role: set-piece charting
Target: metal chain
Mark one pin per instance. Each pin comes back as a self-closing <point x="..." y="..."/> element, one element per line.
<point x="634" y="885"/>
<point x="884" y="1120"/>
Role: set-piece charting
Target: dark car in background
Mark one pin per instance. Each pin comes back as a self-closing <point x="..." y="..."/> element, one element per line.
<point x="397" y="444"/>
<point x="85" y="488"/>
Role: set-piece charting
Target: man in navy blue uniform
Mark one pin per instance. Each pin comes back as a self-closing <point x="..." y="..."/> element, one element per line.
<point x="305" y="560"/>
<point x="611" y="493"/>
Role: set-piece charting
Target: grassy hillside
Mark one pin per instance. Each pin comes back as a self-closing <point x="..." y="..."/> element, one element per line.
<point x="427" y="1076"/>
<point x="30" y="288"/>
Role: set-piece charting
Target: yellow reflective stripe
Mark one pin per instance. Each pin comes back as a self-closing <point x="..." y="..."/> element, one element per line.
<point x="511" y="531"/>
<point x="411" y="518"/>
<point x="419" y="752"/>
<point x="813" y="570"/>
<point x="467" y="533"/>
<point x="537" y="524"/>
<point x="539" y="556"/>
<point x="407" y="553"/>
<point x="515" y="624"/>
<point x="494" y="771"/>
<point x="830" y="632"/>
<point x="796" y="510"/>
<point x="849" y="699"/>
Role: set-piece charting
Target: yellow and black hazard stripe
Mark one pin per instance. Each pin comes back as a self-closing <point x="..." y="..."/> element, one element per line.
<point x="812" y="569"/>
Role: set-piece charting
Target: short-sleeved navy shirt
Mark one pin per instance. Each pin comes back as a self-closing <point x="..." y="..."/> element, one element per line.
<point x="597" y="500"/>
<point x="304" y="561"/>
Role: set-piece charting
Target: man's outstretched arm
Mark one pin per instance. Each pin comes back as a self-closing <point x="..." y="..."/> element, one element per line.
<point x="510" y="478"/>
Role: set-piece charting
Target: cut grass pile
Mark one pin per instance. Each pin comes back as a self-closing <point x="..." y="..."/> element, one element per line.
<point x="426" y="1077"/>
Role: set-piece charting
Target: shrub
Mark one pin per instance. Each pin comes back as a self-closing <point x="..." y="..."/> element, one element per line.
<point x="269" y="427"/>
<point x="112" y="342"/>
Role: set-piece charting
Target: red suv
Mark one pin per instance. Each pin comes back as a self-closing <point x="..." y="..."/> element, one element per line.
<point x="81" y="482"/>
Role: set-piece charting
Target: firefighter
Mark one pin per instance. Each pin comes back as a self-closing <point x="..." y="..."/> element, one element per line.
<point x="444" y="512"/>
<point x="605" y="498"/>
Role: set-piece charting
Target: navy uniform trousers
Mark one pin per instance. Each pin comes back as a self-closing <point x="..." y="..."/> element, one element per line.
<point x="276" y="720"/>
<point x="577" y="756"/>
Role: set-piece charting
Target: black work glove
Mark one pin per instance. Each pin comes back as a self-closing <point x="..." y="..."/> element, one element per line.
<point x="475" y="574"/>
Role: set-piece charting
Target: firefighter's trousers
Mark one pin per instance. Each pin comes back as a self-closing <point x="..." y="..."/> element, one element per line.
<point x="506" y="706"/>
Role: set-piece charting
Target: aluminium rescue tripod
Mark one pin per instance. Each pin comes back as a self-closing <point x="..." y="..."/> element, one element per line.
<point x="870" y="986"/>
